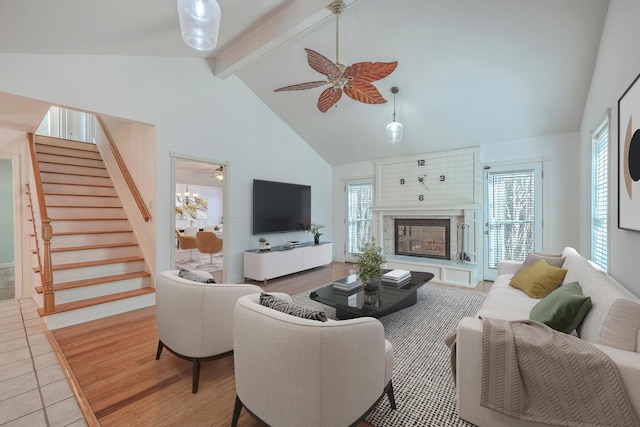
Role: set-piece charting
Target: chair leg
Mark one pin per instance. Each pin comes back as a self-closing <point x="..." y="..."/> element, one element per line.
<point x="160" y="347"/>
<point x="236" y="412"/>
<point x="196" y="375"/>
<point x="211" y="259"/>
<point x="391" y="395"/>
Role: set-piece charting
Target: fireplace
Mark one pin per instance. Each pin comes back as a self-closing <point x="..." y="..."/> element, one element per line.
<point x="423" y="237"/>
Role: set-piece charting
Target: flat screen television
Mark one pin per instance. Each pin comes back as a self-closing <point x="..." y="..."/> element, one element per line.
<point x="280" y="207"/>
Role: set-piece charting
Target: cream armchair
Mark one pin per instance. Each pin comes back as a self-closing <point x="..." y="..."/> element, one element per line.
<point x="195" y="320"/>
<point x="291" y="371"/>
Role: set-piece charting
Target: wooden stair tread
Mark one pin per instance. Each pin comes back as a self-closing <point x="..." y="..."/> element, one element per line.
<point x="88" y="219"/>
<point x="90" y="247"/>
<point x="80" y="195"/>
<point x="95" y="281"/>
<point x="75" y="183"/>
<point x="75" y="233"/>
<point x="61" y="308"/>
<point x="84" y="206"/>
<point x="54" y="141"/>
<point x="50" y="162"/>
<point x="58" y="267"/>
<point x="95" y="263"/>
<point x="80" y="154"/>
<point x="77" y="174"/>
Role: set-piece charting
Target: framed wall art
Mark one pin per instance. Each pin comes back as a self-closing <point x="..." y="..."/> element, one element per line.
<point x="629" y="158"/>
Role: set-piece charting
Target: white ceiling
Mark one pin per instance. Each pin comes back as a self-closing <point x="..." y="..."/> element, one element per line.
<point x="470" y="72"/>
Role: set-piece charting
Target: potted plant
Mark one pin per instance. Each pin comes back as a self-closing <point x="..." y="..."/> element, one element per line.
<point x="315" y="230"/>
<point x="370" y="262"/>
<point x="263" y="245"/>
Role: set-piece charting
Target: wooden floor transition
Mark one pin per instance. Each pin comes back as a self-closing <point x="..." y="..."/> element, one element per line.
<point x="113" y="360"/>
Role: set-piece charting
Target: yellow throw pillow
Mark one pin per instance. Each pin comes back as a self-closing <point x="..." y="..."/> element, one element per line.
<point x="539" y="279"/>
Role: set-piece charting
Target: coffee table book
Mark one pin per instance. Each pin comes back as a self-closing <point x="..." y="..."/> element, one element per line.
<point x="396" y="276"/>
<point x="397" y="284"/>
<point x="347" y="284"/>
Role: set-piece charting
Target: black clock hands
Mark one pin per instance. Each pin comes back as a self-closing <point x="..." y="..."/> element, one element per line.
<point x="421" y="180"/>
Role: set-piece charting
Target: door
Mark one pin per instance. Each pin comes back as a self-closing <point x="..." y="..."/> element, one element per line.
<point x="513" y="214"/>
<point x="198" y="202"/>
<point x="359" y="219"/>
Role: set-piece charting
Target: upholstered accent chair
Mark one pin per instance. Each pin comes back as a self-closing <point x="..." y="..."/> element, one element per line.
<point x="208" y="243"/>
<point x="195" y="319"/>
<point x="291" y="371"/>
<point x="186" y="242"/>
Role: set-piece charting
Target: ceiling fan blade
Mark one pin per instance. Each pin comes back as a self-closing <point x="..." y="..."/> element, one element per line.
<point x="367" y="72"/>
<point x="328" y="98"/>
<point x="321" y="63"/>
<point x="303" y="86"/>
<point x="365" y="93"/>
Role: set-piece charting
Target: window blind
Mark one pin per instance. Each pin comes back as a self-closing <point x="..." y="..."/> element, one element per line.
<point x="511" y="215"/>
<point x="359" y="218"/>
<point x="599" y="195"/>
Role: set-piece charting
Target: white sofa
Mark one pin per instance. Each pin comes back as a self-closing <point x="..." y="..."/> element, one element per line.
<point x="612" y="325"/>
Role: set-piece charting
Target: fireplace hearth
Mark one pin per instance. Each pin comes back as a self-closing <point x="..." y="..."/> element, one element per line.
<point x="423" y="237"/>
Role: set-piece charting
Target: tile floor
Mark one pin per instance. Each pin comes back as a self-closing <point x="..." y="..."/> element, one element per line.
<point x="34" y="391"/>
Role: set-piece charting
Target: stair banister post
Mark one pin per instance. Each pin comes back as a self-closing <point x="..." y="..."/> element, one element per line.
<point x="49" y="296"/>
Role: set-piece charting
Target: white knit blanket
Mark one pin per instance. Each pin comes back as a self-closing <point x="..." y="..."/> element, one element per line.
<point x="532" y="372"/>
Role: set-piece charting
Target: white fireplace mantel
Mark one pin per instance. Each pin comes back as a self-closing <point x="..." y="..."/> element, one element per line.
<point x="427" y="210"/>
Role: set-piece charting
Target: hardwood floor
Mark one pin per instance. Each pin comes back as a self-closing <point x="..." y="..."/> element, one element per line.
<point x="113" y="360"/>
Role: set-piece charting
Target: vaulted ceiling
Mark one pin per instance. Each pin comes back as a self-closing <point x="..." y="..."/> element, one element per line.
<point x="470" y="72"/>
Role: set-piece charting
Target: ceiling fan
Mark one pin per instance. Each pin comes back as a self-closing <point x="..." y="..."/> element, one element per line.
<point x="218" y="173"/>
<point x="354" y="80"/>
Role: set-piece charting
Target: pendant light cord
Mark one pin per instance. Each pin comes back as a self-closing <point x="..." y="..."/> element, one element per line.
<point x="337" y="38"/>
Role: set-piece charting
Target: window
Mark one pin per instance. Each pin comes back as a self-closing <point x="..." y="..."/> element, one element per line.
<point x="359" y="218"/>
<point x="599" y="194"/>
<point x="512" y="218"/>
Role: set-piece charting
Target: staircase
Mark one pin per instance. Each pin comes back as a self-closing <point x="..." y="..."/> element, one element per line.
<point x="96" y="263"/>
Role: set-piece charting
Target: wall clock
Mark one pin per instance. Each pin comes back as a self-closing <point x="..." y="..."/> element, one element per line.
<point x="423" y="178"/>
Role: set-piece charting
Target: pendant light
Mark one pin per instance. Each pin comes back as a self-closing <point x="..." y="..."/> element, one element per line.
<point x="199" y="23"/>
<point x="394" y="129"/>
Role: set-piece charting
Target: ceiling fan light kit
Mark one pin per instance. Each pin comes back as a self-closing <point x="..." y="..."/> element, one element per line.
<point x="394" y="129"/>
<point x="355" y="80"/>
<point x="199" y="23"/>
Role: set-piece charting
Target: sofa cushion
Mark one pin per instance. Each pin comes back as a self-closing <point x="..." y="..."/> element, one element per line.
<point x="539" y="279"/>
<point x="291" y="308"/>
<point x="555" y="260"/>
<point x="563" y="309"/>
<point x="195" y="277"/>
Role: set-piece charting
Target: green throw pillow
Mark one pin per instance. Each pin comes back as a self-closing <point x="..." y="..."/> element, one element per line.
<point x="563" y="309"/>
<point x="539" y="279"/>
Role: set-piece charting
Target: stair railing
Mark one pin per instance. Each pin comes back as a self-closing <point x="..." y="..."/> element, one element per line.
<point x="47" y="234"/>
<point x="125" y="173"/>
<point x="35" y="232"/>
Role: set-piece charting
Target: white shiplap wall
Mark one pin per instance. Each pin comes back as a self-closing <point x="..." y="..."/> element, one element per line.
<point x="449" y="180"/>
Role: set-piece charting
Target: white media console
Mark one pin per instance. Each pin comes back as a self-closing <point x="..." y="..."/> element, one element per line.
<point x="280" y="261"/>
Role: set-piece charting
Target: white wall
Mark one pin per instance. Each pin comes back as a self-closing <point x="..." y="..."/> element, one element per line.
<point x="195" y="114"/>
<point x="617" y="66"/>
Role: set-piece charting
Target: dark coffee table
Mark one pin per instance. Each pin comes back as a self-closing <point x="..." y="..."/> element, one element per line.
<point x="388" y="299"/>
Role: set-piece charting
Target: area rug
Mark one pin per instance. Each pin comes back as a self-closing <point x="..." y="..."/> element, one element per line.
<point x="422" y="380"/>
<point x="199" y="262"/>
